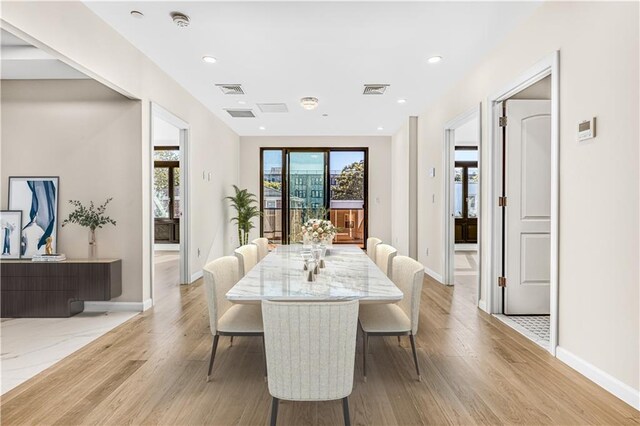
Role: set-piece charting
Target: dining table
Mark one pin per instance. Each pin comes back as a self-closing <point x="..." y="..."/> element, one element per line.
<point x="348" y="274"/>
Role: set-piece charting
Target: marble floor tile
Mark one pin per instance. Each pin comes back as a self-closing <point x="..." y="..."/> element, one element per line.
<point x="31" y="345"/>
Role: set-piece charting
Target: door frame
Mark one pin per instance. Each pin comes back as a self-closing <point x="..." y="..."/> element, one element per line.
<point x="547" y="66"/>
<point x="285" y="182"/>
<point x="158" y="111"/>
<point x="448" y="215"/>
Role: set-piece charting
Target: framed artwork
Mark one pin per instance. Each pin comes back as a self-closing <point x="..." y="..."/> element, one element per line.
<point x="10" y="227"/>
<point x="37" y="199"/>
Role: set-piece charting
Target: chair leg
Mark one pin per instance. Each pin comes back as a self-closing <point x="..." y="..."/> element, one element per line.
<point x="415" y="356"/>
<point x="213" y="355"/>
<point x="231" y="341"/>
<point x="399" y="343"/>
<point x="365" y="349"/>
<point x="264" y="357"/>
<point x="345" y="411"/>
<point x="274" y="411"/>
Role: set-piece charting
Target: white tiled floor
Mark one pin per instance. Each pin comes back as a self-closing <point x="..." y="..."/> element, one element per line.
<point x="31" y="345"/>
<point x="535" y="327"/>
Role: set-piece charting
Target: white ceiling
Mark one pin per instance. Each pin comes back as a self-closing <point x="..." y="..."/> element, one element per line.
<point x="22" y="61"/>
<point x="281" y="52"/>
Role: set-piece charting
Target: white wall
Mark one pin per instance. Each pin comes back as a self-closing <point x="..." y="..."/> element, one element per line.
<point x="86" y="134"/>
<point x="379" y="170"/>
<point x="77" y="36"/>
<point x="599" y="255"/>
<point x="400" y="183"/>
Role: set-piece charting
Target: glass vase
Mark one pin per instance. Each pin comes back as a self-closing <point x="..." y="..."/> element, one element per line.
<point x="93" y="244"/>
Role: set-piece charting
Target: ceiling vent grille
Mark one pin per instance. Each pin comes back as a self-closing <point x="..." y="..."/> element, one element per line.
<point x="231" y="89"/>
<point x="241" y="113"/>
<point x="273" y="108"/>
<point x="375" y="89"/>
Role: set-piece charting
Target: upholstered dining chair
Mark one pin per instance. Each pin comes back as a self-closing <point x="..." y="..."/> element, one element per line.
<point x="384" y="258"/>
<point x="372" y="242"/>
<point x="248" y="257"/>
<point x="395" y="319"/>
<point x="310" y="349"/>
<point x="226" y="318"/>
<point x="263" y="247"/>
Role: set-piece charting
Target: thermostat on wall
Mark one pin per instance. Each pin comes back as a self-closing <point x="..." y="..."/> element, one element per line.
<point x="587" y="129"/>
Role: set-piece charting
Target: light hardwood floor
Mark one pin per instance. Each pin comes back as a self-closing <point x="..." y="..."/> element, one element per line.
<point x="152" y="369"/>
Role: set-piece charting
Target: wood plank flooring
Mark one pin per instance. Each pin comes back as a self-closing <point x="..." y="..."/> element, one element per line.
<point x="152" y="369"/>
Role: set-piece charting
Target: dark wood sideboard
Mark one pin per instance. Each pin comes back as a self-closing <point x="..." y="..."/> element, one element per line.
<point x="56" y="289"/>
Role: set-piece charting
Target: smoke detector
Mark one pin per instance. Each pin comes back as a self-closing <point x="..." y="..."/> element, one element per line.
<point x="180" y="19"/>
<point x="309" y="103"/>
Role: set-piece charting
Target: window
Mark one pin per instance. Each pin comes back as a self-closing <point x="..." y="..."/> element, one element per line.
<point x="304" y="181"/>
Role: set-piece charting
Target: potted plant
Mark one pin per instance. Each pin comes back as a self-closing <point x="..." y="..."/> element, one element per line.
<point x="91" y="217"/>
<point x="246" y="206"/>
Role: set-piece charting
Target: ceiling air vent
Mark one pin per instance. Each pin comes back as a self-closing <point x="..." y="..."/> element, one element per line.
<point x="241" y="113"/>
<point x="231" y="89"/>
<point x="375" y="89"/>
<point x="273" y="108"/>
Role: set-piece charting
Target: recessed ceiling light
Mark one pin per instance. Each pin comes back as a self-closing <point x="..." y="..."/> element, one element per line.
<point x="380" y="128"/>
<point x="209" y="59"/>
<point x="180" y="19"/>
<point x="242" y="102"/>
<point x="137" y="14"/>
<point x="262" y="128"/>
<point x="402" y="101"/>
<point x="309" y="103"/>
<point x="434" y="59"/>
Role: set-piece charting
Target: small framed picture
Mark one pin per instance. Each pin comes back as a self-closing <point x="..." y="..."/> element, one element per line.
<point x="37" y="198"/>
<point x="10" y="233"/>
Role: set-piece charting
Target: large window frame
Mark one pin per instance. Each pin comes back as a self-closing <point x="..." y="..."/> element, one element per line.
<point x="327" y="184"/>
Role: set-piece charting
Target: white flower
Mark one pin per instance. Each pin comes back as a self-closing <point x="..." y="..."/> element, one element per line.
<point x="320" y="231"/>
<point x="315" y="235"/>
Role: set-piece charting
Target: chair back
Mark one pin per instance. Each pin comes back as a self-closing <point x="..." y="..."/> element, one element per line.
<point x="384" y="258"/>
<point x="219" y="276"/>
<point x="372" y="242"/>
<point x="310" y="348"/>
<point x="408" y="275"/>
<point x="263" y="247"/>
<point x="248" y="257"/>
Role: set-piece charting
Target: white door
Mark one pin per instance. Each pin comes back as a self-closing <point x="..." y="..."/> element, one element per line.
<point x="528" y="211"/>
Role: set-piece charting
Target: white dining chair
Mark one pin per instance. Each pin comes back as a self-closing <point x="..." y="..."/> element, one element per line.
<point x="395" y="319"/>
<point x="263" y="247"/>
<point x="384" y="258"/>
<point x="372" y="242"/>
<point x="248" y="257"/>
<point x="226" y="318"/>
<point x="310" y="349"/>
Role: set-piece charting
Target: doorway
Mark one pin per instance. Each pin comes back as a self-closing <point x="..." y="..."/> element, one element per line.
<point x="300" y="183"/>
<point x="524" y="218"/>
<point x="462" y="176"/>
<point x="169" y="202"/>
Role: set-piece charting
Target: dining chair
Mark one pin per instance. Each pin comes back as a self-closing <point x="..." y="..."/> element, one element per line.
<point x="372" y="242"/>
<point x="395" y="319"/>
<point x="263" y="247"/>
<point x="384" y="258"/>
<point x="310" y="349"/>
<point x="226" y="318"/>
<point x="248" y="257"/>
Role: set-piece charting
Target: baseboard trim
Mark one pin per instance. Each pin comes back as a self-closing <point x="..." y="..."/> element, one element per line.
<point x="483" y="305"/>
<point x="606" y="381"/>
<point x="196" y="276"/>
<point x="433" y="275"/>
<point x="118" y="306"/>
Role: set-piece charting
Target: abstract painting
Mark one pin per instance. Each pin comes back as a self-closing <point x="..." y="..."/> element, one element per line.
<point x="10" y="225"/>
<point x="37" y="199"/>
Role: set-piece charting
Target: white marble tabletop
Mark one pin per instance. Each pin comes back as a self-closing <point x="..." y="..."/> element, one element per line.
<point x="349" y="274"/>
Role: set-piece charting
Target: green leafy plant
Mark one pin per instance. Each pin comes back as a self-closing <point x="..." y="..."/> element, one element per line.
<point x="246" y="206"/>
<point x="91" y="217"/>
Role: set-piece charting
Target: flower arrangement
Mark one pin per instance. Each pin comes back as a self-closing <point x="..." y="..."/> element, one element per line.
<point x="318" y="230"/>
